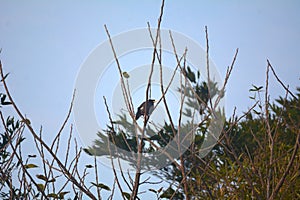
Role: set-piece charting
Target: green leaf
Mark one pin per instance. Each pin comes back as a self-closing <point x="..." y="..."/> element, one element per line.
<point x="26" y="121"/>
<point x="152" y="190"/>
<point x="255" y="88"/>
<point x="29" y="166"/>
<point x="190" y="75"/>
<point x="259" y="88"/>
<point x="40" y="187"/>
<point x="3" y="97"/>
<point x="10" y="121"/>
<point x="256" y="112"/>
<point x="126" y="75"/>
<point x="3" y="102"/>
<point x="4" y="77"/>
<point x="52" y="180"/>
<point x="102" y="186"/>
<point x="42" y="177"/>
<point x="17" y="125"/>
<point x="86" y="150"/>
<point x="6" y="103"/>
<point x="126" y="195"/>
<point x="53" y="195"/>
<point x="20" y="140"/>
<point x="159" y="190"/>
<point x="62" y="194"/>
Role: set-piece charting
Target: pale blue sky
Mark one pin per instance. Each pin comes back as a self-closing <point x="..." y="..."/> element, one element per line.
<point x="44" y="43"/>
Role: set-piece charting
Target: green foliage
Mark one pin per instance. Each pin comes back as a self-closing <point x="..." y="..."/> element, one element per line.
<point x="3" y="101"/>
<point x="256" y="157"/>
<point x="239" y="165"/>
<point x="170" y="193"/>
<point x="13" y="127"/>
<point x="102" y="186"/>
<point x="126" y="195"/>
<point x="122" y="134"/>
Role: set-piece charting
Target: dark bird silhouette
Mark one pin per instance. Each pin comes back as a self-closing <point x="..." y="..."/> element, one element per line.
<point x="141" y="109"/>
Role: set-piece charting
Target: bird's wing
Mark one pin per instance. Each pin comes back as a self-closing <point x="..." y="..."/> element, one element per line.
<point x="141" y="107"/>
<point x="139" y="111"/>
<point x="137" y="115"/>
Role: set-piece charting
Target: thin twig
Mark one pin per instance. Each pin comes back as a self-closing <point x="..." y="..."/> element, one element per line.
<point x="281" y="83"/>
<point x="286" y="172"/>
<point x="207" y="67"/>
<point x="140" y="143"/>
<point x="24" y="119"/>
<point x="19" y="158"/>
<point x="270" y="137"/>
<point x="112" y="162"/>
<point x="124" y="90"/>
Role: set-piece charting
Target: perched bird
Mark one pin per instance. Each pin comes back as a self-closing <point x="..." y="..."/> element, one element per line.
<point x="149" y="105"/>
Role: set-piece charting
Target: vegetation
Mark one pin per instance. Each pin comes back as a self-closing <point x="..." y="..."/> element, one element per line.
<point x="256" y="155"/>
